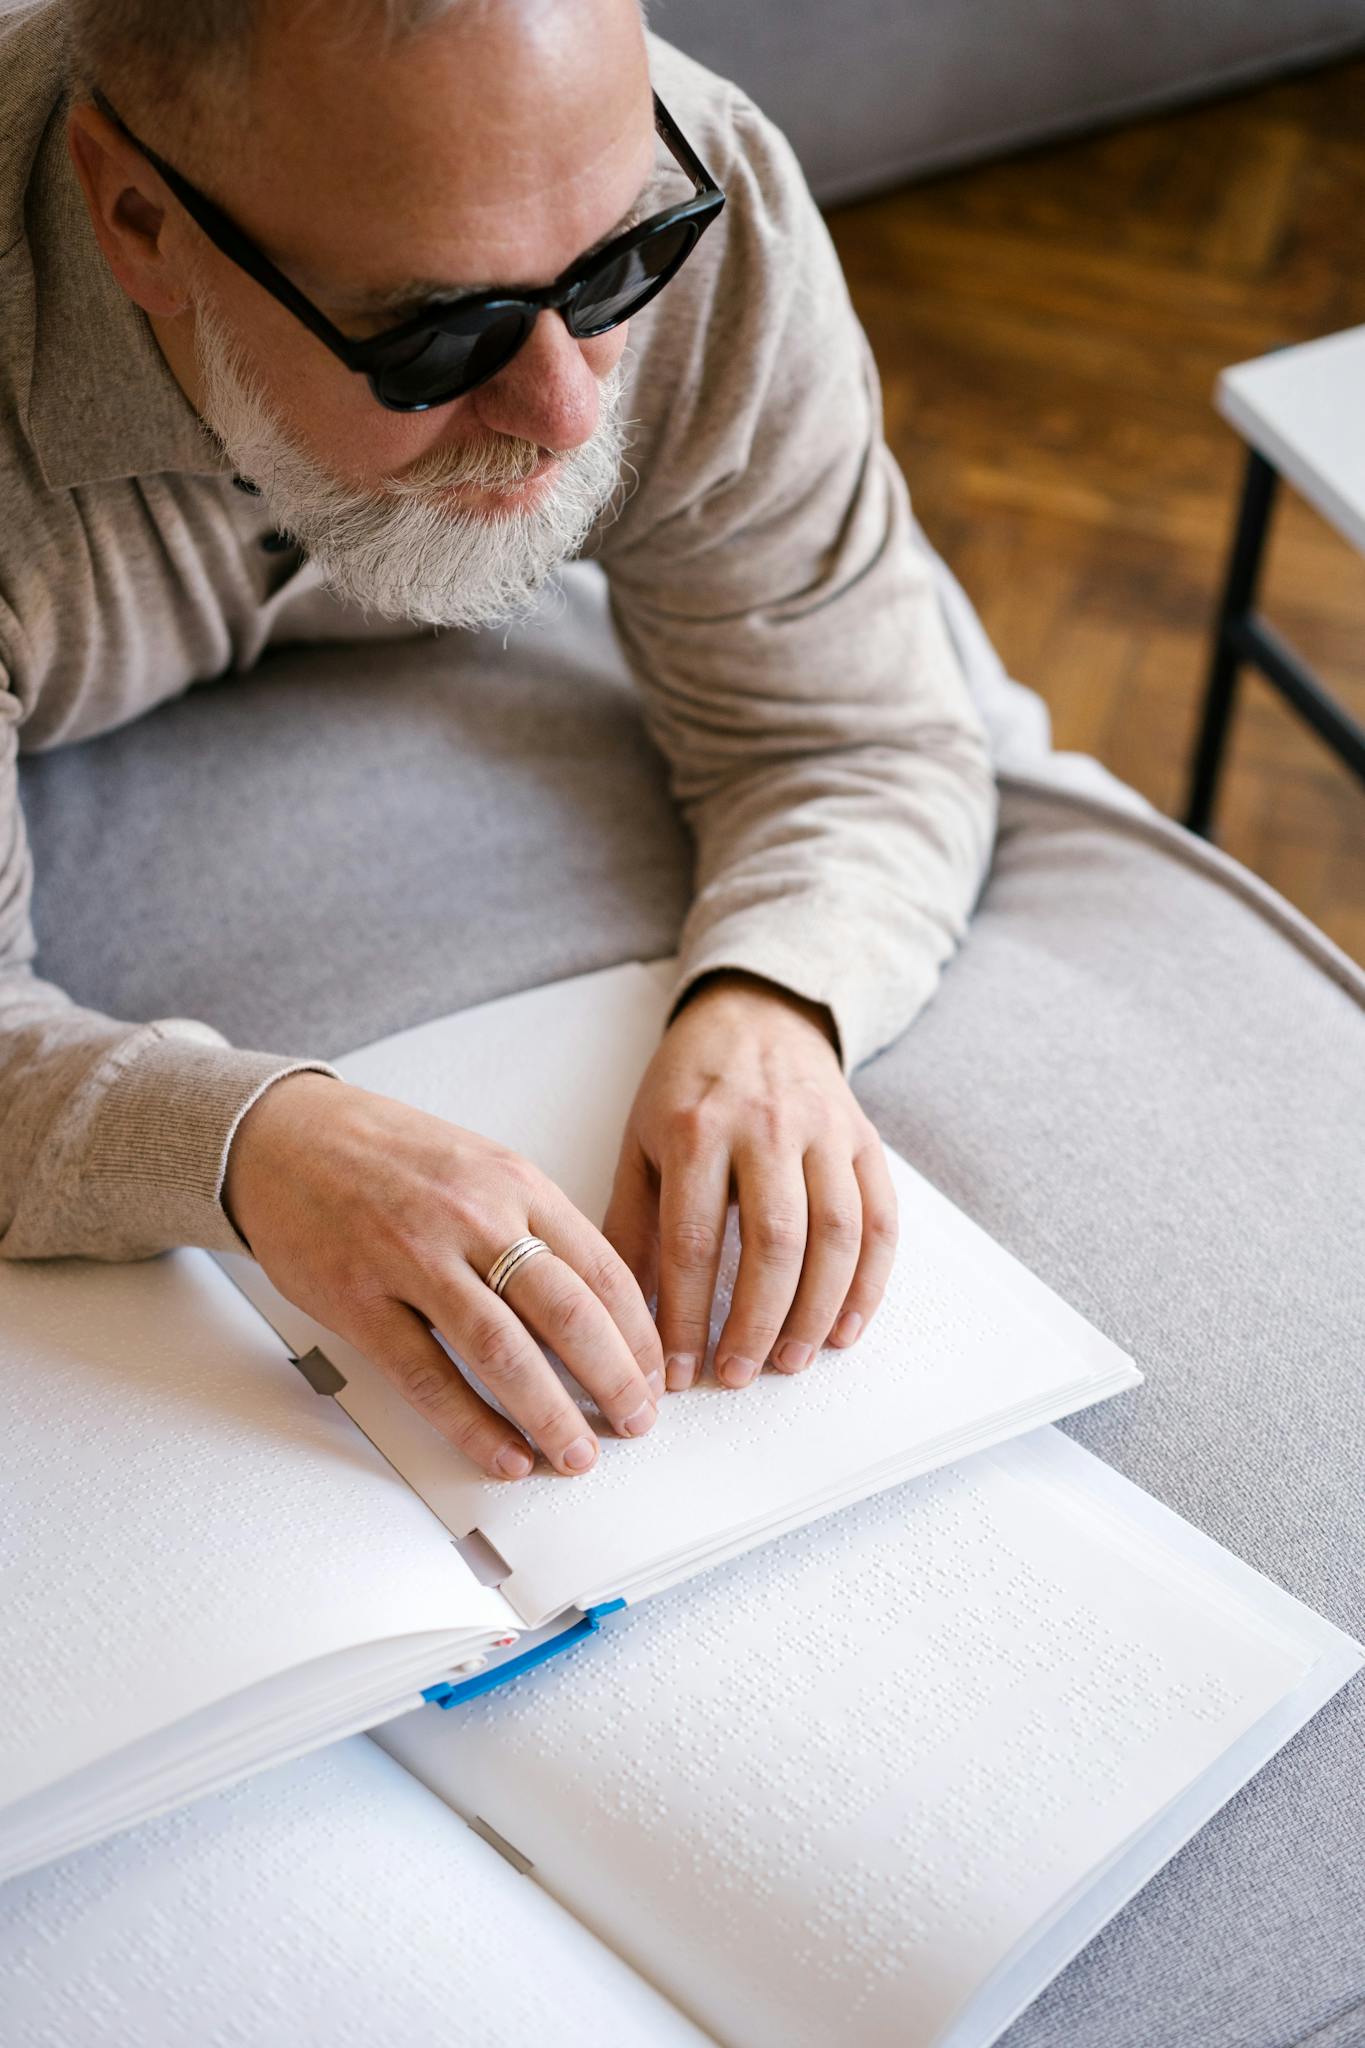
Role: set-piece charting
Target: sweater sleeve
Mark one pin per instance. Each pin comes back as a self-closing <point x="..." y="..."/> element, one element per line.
<point x="784" y="629"/>
<point x="113" y="1136"/>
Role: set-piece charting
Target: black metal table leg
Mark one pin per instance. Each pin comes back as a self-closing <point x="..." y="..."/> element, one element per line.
<point x="1239" y="591"/>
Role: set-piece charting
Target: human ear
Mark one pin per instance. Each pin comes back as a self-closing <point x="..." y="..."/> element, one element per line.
<point x="126" y="201"/>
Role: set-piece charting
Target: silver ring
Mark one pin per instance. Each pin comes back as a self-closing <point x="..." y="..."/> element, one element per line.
<point x="506" y="1264"/>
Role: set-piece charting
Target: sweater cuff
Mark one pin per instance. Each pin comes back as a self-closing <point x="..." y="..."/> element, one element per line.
<point x="766" y="980"/>
<point x="870" y="1008"/>
<point x="158" y="1142"/>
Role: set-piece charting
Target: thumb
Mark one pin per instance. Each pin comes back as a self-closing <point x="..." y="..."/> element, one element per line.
<point x="631" y="1224"/>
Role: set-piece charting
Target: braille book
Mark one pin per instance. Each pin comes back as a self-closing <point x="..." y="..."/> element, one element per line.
<point x="880" y="1697"/>
<point x="874" y="1784"/>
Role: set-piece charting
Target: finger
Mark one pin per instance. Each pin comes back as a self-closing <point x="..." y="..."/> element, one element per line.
<point x="694" y="1201"/>
<point x="881" y="1230"/>
<point x="397" y="1340"/>
<point x="557" y="1303"/>
<point x="772" y="1234"/>
<point x="601" y="1266"/>
<point x="490" y="1337"/>
<point x="834" y="1233"/>
<point x="631" y="1224"/>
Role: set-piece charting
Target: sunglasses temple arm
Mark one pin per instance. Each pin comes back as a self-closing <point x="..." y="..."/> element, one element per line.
<point x="227" y="237"/>
<point x="681" y="148"/>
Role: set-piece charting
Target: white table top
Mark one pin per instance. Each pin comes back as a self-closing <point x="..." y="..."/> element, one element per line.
<point x="1303" y="408"/>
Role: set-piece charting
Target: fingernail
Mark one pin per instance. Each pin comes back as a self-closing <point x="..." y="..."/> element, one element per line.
<point x="737" y="1372"/>
<point x="642" y="1419"/>
<point x="847" y="1327"/>
<point x="793" y="1355"/>
<point x="682" y="1370"/>
<point x="655" y="1383"/>
<point x="512" y="1463"/>
<point x="580" y="1454"/>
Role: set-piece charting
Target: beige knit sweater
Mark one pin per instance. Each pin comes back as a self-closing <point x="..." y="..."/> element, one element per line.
<point x="776" y="610"/>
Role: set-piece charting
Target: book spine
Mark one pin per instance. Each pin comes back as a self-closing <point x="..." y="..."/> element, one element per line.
<point x="449" y="1695"/>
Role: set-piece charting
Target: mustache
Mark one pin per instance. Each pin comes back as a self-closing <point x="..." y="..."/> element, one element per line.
<point x="496" y="464"/>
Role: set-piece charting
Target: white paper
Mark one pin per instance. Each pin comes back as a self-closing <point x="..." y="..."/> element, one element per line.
<point x="332" y="1901"/>
<point x="968" y="1346"/>
<point x="182" y="1517"/>
<point x="830" y="1788"/>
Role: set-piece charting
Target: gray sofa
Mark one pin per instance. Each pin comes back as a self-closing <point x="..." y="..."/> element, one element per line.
<point x="1142" y="1074"/>
<point x="874" y="91"/>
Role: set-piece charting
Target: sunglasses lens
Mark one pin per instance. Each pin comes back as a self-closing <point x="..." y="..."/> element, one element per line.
<point x="628" y="281"/>
<point x="438" y="365"/>
<point x="444" y="362"/>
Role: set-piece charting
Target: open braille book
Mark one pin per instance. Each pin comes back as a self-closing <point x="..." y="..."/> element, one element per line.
<point x="884" y="1698"/>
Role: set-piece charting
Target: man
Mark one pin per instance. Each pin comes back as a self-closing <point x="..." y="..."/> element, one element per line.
<point x="206" y="211"/>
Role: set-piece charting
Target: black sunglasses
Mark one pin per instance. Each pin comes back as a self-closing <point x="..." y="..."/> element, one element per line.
<point x="452" y="345"/>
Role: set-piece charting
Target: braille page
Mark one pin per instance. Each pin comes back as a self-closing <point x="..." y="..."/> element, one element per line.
<point x="332" y="1901"/>
<point x="182" y="1517"/>
<point x="828" y="1789"/>
<point x="1050" y="1946"/>
<point x="968" y="1346"/>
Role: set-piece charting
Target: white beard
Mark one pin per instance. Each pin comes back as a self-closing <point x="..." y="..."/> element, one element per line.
<point x="402" y="549"/>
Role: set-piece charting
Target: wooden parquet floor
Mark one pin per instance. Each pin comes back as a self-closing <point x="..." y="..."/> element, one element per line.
<point x="1049" y="329"/>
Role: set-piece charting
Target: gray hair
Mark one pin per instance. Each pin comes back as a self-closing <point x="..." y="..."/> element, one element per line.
<point x="171" y="43"/>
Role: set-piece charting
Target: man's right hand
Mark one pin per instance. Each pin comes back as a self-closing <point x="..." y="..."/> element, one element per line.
<point x="381" y="1220"/>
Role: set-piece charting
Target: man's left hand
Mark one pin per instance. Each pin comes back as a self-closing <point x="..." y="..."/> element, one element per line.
<point x="745" y="1100"/>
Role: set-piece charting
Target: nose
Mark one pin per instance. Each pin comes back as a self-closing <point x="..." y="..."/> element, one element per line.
<point x="547" y="393"/>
